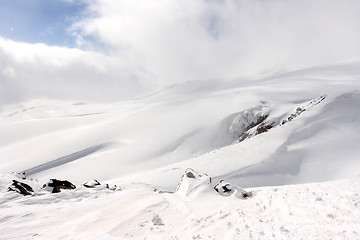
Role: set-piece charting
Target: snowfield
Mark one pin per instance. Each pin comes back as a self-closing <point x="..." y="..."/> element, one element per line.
<point x="308" y="211"/>
<point x="290" y="139"/>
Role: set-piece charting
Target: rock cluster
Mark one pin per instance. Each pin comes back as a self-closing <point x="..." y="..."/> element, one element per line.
<point x="264" y="123"/>
<point x="53" y="185"/>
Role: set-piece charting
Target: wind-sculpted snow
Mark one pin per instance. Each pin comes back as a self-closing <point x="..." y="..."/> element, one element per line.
<point x="193" y="184"/>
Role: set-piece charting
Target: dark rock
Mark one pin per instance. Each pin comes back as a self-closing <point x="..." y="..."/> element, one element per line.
<point x="56" y="185"/>
<point x="247" y="194"/>
<point x="190" y="175"/>
<point x="222" y="187"/>
<point x="302" y="109"/>
<point x="264" y="127"/>
<point x="21" y="188"/>
<point x="227" y="189"/>
<point x="23" y="175"/>
<point x="244" y="136"/>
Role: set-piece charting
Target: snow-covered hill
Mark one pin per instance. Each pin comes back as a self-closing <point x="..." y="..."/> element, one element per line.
<point x="292" y="127"/>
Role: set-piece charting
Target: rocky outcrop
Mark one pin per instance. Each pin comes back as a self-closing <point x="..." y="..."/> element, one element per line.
<point x="302" y="109"/>
<point x="17" y="182"/>
<point x="21" y="188"/>
<point x="264" y="125"/>
<point x="246" y="120"/>
<point x="262" y="128"/>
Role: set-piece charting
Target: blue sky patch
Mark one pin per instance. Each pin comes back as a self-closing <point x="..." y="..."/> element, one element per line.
<point x="39" y="21"/>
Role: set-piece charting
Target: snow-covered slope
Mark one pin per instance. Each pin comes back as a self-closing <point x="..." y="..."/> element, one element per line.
<point x="289" y="128"/>
<point x="196" y="211"/>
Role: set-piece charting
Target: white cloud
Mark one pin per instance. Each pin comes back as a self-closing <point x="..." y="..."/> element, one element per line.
<point x="184" y="40"/>
<point x="41" y="71"/>
<point x="166" y="41"/>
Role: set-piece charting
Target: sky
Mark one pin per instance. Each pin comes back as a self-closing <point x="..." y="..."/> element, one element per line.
<point x="37" y="21"/>
<point x="104" y="50"/>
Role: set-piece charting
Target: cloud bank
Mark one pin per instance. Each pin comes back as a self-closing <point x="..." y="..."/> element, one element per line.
<point x="39" y="71"/>
<point x="138" y="43"/>
<point x="183" y="40"/>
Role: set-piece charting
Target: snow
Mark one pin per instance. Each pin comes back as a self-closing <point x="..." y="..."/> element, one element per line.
<point x="303" y="172"/>
<point x="316" y="211"/>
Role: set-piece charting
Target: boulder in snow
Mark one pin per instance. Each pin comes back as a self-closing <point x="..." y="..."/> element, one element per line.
<point x="55" y="185"/>
<point x="21" y="188"/>
<point x="227" y="189"/>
